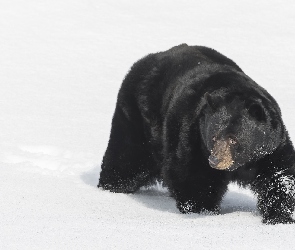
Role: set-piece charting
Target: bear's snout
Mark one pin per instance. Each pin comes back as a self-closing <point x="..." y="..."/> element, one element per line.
<point x="213" y="161"/>
<point x="221" y="157"/>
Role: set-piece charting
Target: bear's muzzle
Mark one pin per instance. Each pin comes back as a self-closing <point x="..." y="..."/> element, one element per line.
<point x="221" y="157"/>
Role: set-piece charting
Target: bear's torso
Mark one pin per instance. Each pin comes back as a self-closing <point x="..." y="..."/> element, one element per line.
<point x="166" y="83"/>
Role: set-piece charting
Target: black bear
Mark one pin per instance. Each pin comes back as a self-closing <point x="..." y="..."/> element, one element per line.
<point x="189" y="116"/>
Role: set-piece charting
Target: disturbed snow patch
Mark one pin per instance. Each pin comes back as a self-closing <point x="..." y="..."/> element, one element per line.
<point x="48" y="159"/>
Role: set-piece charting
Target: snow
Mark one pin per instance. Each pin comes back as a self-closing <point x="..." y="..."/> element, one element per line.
<point x="61" y="65"/>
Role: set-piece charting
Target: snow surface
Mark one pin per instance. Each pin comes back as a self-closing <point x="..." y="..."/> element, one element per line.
<point x="61" y="65"/>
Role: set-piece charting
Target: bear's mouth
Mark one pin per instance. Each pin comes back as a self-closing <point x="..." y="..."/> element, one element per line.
<point x="221" y="157"/>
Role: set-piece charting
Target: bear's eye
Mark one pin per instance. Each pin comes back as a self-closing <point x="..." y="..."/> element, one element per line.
<point x="257" y="112"/>
<point x="232" y="141"/>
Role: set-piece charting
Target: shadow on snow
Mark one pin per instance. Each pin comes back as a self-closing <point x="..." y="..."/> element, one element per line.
<point x="158" y="198"/>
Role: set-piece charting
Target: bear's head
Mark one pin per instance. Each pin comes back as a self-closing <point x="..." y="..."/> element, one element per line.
<point x="239" y="126"/>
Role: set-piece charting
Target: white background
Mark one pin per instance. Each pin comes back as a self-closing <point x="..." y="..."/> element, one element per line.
<point x="61" y="65"/>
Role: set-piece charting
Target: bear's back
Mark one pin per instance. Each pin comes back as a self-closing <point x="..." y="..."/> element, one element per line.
<point x="192" y="55"/>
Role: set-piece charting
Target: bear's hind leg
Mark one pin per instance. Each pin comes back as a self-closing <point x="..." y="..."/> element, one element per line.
<point x="127" y="164"/>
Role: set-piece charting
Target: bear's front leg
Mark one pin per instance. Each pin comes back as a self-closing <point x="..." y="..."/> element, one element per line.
<point x="276" y="197"/>
<point x="196" y="192"/>
<point x="195" y="186"/>
<point x="191" y="198"/>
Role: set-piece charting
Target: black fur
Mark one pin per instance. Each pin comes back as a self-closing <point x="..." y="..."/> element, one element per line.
<point x="172" y="107"/>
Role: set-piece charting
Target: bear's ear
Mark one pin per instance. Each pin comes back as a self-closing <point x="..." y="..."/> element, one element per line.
<point x="210" y="101"/>
<point x="257" y="112"/>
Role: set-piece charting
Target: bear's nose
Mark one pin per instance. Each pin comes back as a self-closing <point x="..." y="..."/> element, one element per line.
<point x="213" y="161"/>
